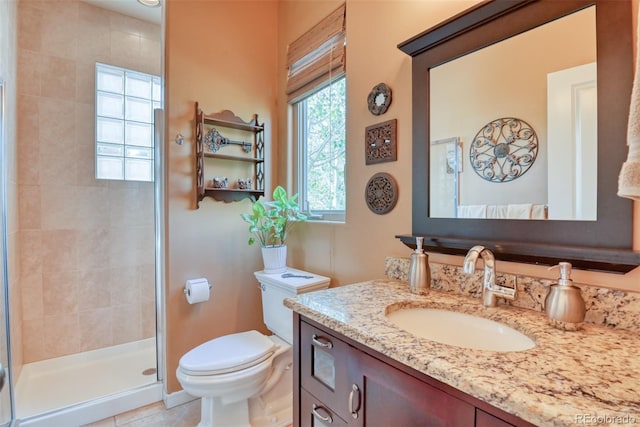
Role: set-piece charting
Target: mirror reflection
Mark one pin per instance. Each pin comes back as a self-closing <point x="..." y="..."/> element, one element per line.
<point x="509" y="174"/>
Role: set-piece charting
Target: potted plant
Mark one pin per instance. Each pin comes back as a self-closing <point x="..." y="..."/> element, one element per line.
<point x="270" y="223"/>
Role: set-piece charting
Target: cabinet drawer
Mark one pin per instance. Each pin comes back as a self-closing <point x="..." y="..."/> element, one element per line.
<point x="314" y="413"/>
<point x="323" y="368"/>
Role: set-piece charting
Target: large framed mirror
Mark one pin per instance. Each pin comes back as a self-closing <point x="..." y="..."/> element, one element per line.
<point x="458" y="201"/>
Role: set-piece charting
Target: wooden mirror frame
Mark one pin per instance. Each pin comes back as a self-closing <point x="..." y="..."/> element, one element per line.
<point x="605" y="244"/>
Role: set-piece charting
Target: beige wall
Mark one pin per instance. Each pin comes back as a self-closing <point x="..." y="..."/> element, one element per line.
<point x="355" y="250"/>
<point x="86" y="245"/>
<point x="221" y="54"/>
<point x="228" y="55"/>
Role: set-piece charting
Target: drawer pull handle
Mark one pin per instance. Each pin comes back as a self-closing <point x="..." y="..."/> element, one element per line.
<point x="326" y="418"/>
<point x="354" y="408"/>
<point x="321" y="342"/>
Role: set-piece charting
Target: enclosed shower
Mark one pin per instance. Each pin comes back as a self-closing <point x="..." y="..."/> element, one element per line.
<point x="83" y="306"/>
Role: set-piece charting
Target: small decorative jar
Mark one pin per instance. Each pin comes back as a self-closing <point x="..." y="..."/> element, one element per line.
<point x="244" y="183"/>
<point x="220" y="182"/>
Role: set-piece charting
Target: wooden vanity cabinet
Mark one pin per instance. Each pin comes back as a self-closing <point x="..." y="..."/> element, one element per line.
<point x="339" y="382"/>
<point x="390" y="397"/>
<point x="484" y="419"/>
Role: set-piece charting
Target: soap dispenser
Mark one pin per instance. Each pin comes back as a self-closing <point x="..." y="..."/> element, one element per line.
<point x="564" y="304"/>
<point x="419" y="273"/>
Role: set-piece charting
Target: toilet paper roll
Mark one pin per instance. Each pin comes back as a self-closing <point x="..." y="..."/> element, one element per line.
<point x="197" y="290"/>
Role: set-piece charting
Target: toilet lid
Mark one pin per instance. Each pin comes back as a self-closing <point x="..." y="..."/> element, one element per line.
<point x="228" y="353"/>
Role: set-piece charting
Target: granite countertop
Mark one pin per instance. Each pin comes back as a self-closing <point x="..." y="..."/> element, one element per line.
<point x="589" y="376"/>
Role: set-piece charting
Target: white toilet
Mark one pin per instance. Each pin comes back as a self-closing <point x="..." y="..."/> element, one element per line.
<point x="245" y="379"/>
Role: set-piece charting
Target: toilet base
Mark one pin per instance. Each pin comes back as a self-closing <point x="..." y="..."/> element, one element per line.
<point x="215" y="414"/>
<point x="271" y="409"/>
<point x="275" y="413"/>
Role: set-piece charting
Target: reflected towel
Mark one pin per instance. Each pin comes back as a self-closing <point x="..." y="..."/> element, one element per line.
<point x="629" y="178"/>
<point x="497" y="211"/>
<point x="539" y="212"/>
<point x="520" y="211"/>
<point x="472" y="211"/>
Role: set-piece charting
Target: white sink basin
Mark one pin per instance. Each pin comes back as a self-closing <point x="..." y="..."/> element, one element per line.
<point x="460" y="329"/>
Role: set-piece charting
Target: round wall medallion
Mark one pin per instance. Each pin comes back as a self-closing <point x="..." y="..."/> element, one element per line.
<point x="503" y="149"/>
<point x="381" y="193"/>
<point x="379" y="99"/>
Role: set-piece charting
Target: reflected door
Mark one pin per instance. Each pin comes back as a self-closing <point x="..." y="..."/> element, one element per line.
<point x="572" y="130"/>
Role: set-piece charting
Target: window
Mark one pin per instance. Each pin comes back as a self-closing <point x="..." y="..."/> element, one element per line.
<point x="317" y="91"/>
<point x="320" y="120"/>
<point x="125" y="101"/>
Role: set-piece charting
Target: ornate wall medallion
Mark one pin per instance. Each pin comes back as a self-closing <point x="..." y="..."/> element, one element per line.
<point x="503" y="149"/>
<point x="381" y="193"/>
<point x="379" y="99"/>
<point x="380" y="142"/>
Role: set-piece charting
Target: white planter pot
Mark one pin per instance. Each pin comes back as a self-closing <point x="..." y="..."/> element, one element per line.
<point x="274" y="259"/>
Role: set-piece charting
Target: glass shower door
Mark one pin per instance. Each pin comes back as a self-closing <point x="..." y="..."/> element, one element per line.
<point x="6" y="406"/>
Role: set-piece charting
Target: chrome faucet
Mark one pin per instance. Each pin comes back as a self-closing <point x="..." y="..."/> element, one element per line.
<point x="490" y="291"/>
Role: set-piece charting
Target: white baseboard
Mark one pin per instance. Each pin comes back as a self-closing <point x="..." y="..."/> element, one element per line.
<point x="177" y="398"/>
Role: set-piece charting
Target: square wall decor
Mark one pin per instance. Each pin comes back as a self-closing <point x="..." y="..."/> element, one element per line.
<point x="380" y="142"/>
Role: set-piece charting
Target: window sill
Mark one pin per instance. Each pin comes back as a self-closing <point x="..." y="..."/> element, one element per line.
<point x="326" y="221"/>
<point x="326" y="218"/>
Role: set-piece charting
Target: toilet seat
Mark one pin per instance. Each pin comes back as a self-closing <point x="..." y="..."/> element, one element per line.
<point x="229" y="353"/>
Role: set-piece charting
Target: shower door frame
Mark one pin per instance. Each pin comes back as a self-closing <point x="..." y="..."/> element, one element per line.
<point x="158" y="188"/>
<point x="4" y="270"/>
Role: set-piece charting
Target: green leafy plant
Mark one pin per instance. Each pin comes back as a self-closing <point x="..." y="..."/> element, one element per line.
<point x="270" y="221"/>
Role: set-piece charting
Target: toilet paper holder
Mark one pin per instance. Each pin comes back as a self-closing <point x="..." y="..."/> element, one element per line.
<point x="186" y="291"/>
<point x="192" y="282"/>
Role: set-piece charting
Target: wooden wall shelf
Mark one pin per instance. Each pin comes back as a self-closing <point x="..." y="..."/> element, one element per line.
<point x="228" y="195"/>
<point x="209" y="141"/>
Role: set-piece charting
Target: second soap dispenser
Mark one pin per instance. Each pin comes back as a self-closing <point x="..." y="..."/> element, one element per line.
<point x="564" y="304"/>
<point x="419" y="273"/>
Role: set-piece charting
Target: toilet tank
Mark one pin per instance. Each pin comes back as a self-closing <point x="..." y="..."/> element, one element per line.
<point x="277" y="287"/>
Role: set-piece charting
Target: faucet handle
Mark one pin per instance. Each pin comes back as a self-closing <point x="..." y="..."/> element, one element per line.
<point x="504" y="292"/>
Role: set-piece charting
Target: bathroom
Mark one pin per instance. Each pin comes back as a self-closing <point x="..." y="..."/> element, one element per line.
<point x="206" y="43"/>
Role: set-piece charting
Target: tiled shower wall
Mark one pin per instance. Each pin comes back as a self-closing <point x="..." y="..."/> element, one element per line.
<point x="86" y="245"/>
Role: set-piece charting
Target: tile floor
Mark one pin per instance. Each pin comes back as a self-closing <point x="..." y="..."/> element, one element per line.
<point x="155" y="415"/>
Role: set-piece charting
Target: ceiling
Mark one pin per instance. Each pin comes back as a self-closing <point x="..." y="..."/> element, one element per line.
<point x="131" y="8"/>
